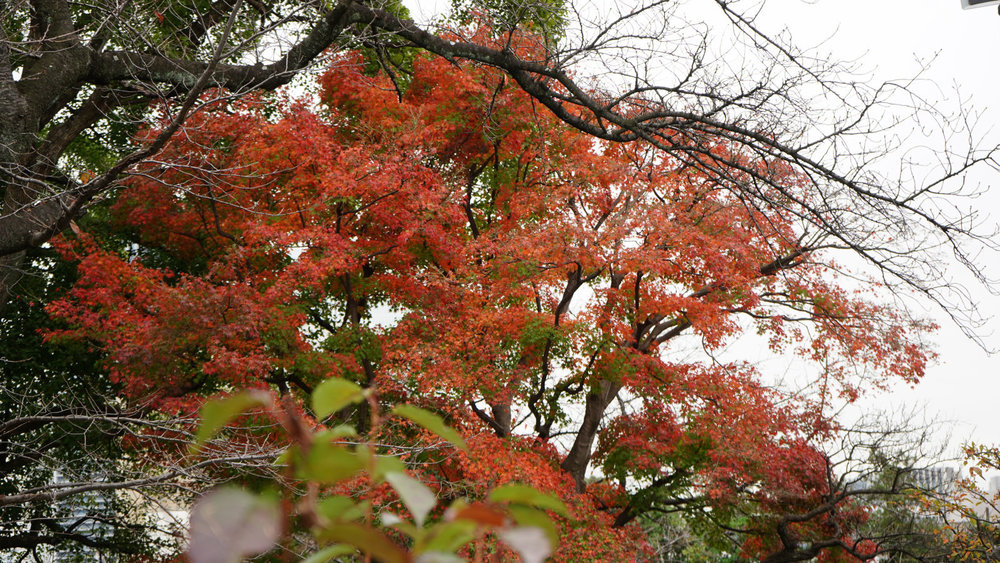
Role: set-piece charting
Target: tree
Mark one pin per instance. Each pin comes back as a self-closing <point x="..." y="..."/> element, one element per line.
<point x="216" y="297"/>
<point x="60" y="419"/>
<point x="82" y="470"/>
<point x="72" y="74"/>
<point x="451" y="246"/>
<point x="970" y="514"/>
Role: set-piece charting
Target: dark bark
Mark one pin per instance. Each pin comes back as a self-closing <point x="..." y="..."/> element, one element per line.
<point x="56" y="538"/>
<point x="500" y="431"/>
<point x="578" y="458"/>
<point x="501" y="414"/>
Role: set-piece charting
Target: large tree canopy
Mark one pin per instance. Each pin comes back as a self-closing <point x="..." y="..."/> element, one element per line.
<point x="459" y="248"/>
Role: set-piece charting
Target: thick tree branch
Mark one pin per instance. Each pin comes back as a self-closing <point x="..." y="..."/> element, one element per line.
<point x="115" y="66"/>
<point x="38" y="223"/>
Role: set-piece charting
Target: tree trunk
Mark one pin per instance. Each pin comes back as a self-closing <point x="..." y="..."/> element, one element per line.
<point x="579" y="455"/>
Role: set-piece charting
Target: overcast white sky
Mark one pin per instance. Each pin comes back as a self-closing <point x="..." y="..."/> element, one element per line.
<point x="894" y="39"/>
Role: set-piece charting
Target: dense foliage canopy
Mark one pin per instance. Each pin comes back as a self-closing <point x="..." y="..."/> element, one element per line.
<point x="458" y="248"/>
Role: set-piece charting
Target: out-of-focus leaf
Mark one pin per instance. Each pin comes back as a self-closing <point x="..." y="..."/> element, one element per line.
<point x="438" y="557"/>
<point x="481" y="514"/>
<point x="419" y="500"/>
<point x="450" y="536"/>
<point x="523" y="494"/>
<point x="285" y="457"/>
<point x="328" y="554"/>
<point x="215" y="414"/>
<point x="334" y="394"/>
<point x="526" y="516"/>
<point x="330" y="463"/>
<point x="529" y="542"/>
<point x="230" y="524"/>
<point x="431" y="422"/>
<point x="340" y="508"/>
<point x="387" y="464"/>
<point x="393" y="520"/>
<point x="343" y="431"/>
<point x="367" y="540"/>
<point x="390" y="519"/>
<point x="335" y="434"/>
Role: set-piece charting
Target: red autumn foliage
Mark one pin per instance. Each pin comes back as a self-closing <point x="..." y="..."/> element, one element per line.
<point x="463" y="250"/>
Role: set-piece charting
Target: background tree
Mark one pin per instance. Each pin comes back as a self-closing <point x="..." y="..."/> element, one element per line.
<point x="61" y="430"/>
<point x="970" y="511"/>
<point x="86" y="471"/>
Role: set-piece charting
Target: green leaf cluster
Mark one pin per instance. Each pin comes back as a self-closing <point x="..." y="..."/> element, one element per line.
<point x="547" y="17"/>
<point x="343" y="525"/>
